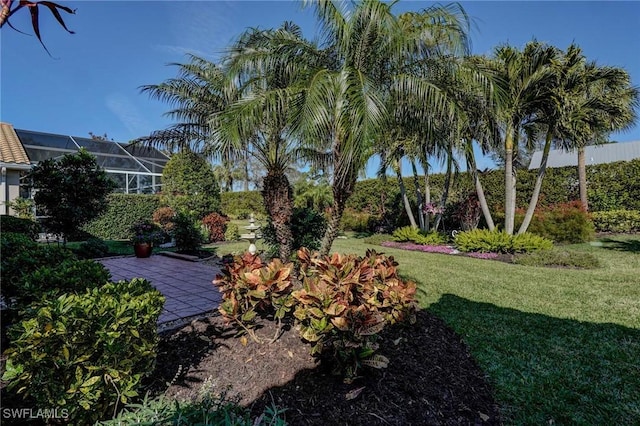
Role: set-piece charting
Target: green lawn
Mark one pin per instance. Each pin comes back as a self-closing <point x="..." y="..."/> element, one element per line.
<point x="560" y="346"/>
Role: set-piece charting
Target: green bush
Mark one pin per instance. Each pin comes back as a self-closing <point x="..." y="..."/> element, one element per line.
<point x="207" y="409"/>
<point x="561" y="223"/>
<point x="68" y="276"/>
<point x="20" y="257"/>
<point x="232" y="233"/>
<point x="70" y="191"/>
<point x="558" y="258"/>
<point x="485" y="241"/>
<point x="239" y="205"/>
<point x="27" y="227"/>
<point x="123" y="210"/>
<point x="23" y="208"/>
<point x="187" y="233"/>
<point x="414" y="235"/>
<point x="189" y="185"/>
<point x="86" y="353"/>
<point x="93" y="248"/>
<point x="307" y="227"/>
<point x="618" y="221"/>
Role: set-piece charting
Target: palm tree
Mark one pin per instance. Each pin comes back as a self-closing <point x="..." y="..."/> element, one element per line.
<point x="520" y="79"/>
<point x="608" y="103"/>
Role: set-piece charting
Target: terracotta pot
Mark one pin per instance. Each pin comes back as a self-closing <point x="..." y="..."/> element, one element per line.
<point x="142" y="249"/>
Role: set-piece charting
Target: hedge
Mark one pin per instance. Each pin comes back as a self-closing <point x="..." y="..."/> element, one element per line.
<point x="240" y="205"/>
<point x="122" y="212"/>
<point x="612" y="186"/>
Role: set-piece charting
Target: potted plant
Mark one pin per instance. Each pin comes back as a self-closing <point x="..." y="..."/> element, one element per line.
<point x="144" y="234"/>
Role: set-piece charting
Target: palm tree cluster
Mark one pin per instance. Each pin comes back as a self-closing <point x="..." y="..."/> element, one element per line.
<point x="402" y="86"/>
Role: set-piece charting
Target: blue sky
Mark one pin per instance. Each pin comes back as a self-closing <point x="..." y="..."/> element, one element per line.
<point x="92" y="83"/>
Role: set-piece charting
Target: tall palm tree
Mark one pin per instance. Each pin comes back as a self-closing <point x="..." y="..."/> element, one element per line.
<point x="608" y="103"/>
<point x="520" y="79"/>
<point x="344" y="108"/>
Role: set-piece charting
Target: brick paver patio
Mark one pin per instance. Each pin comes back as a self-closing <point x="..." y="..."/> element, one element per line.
<point x="186" y="285"/>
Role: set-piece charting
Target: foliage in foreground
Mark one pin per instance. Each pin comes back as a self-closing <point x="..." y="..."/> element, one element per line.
<point x="207" y="409"/>
<point x="249" y="287"/>
<point x="558" y="258"/>
<point x="86" y="353"/>
<point x="346" y="301"/>
<point x="18" y="225"/>
<point x="344" y="304"/>
<point x="21" y="256"/>
<point x="483" y="240"/>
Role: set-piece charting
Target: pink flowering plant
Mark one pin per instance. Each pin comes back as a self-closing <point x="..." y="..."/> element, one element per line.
<point x="146" y="231"/>
<point x="432" y="208"/>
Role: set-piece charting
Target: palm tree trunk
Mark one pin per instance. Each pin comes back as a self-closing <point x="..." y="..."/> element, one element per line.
<point x="403" y="192"/>
<point x="340" y="196"/>
<point x="536" y="189"/>
<point x="416" y="184"/>
<point x="445" y="192"/>
<point x="427" y="197"/>
<point x="582" y="178"/>
<point x="246" y="172"/>
<point x="480" y="191"/>
<point x="278" y="200"/>
<point x="509" y="185"/>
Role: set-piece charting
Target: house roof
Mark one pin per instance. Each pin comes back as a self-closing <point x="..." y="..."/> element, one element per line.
<point x="11" y="149"/>
<point x="594" y="154"/>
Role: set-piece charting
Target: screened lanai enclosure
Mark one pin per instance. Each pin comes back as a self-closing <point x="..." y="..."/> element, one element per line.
<point x="136" y="169"/>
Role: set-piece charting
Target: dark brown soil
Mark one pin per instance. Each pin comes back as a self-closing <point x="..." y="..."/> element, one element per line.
<point x="431" y="378"/>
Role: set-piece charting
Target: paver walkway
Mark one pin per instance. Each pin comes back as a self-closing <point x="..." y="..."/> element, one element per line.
<point x="186" y="285"/>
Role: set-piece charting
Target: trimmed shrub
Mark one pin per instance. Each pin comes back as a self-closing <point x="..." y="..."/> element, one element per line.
<point x="239" y="205"/>
<point x="27" y="227"/>
<point x="484" y="241"/>
<point x="51" y="281"/>
<point x="561" y="223"/>
<point x="414" y="235"/>
<point x="189" y="185"/>
<point x="307" y="227"/>
<point x="86" y="353"/>
<point x="346" y="301"/>
<point x="123" y="210"/>
<point x="20" y="257"/>
<point x="216" y="225"/>
<point x="558" y="258"/>
<point x="187" y="233"/>
<point x="93" y="248"/>
<point x="232" y="233"/>
<point x="618" y="221"/>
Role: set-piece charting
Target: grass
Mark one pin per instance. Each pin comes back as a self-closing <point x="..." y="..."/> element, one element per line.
<point x="560" y="346"/>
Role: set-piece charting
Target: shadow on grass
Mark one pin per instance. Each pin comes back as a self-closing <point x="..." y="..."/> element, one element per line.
<point x="632" y="246"/>
<point x="548" y="370"/>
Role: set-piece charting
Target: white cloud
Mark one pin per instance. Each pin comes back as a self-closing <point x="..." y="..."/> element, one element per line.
<point x="126" y="111"/>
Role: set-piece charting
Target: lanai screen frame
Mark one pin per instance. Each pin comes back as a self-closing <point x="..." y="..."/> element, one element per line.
<point x="118" y="160"/>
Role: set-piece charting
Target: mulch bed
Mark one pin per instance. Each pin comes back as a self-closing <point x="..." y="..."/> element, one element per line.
<point x="431" y="378"/>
